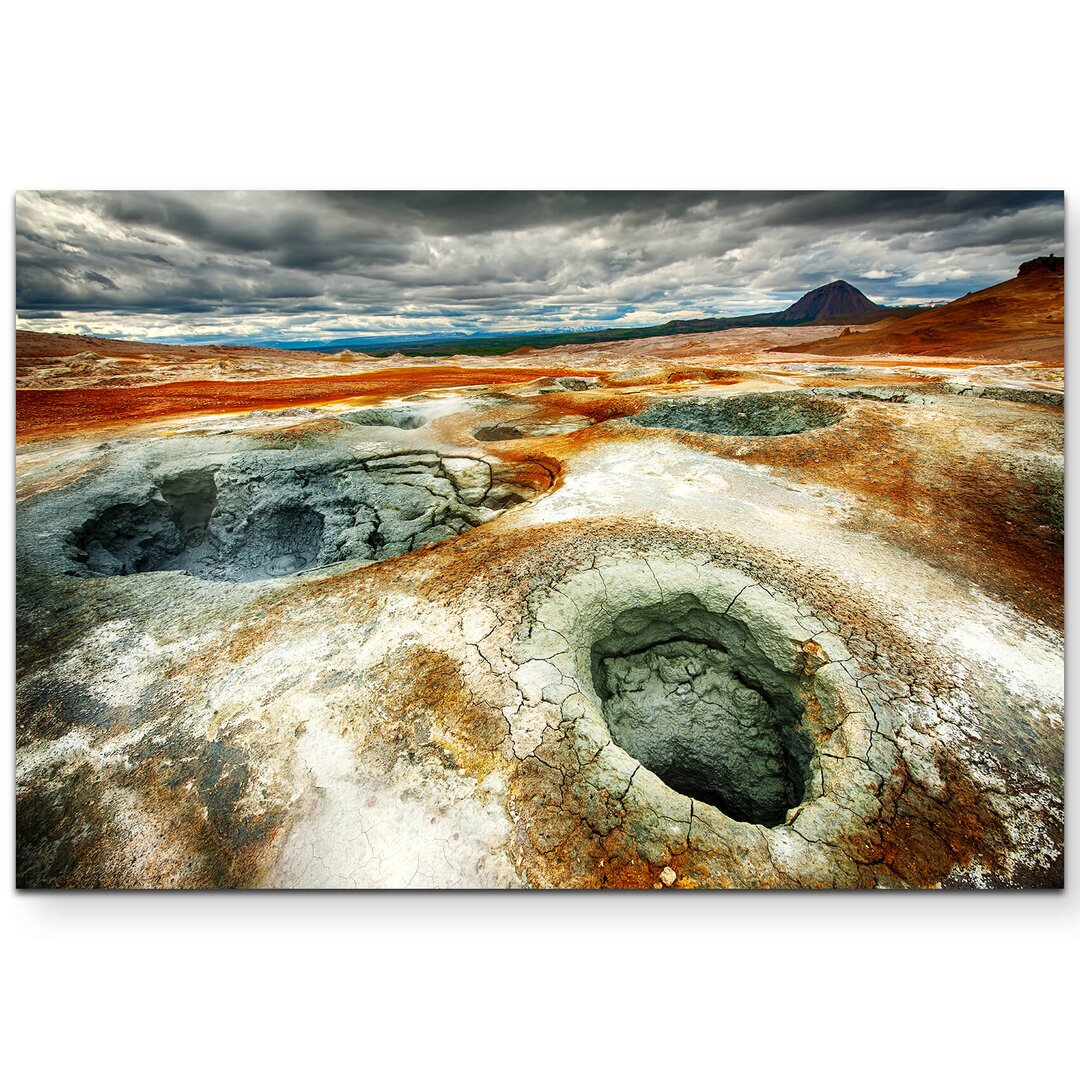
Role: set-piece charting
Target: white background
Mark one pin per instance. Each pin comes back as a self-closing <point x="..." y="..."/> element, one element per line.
<point x="838" y="95"/>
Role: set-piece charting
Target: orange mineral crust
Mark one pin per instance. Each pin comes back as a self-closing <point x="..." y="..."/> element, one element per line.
<point x="43" y="414"/>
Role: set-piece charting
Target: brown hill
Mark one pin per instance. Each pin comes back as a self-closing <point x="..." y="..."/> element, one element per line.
<point x="1020" y="319"/>
<point x="33" y="345"/>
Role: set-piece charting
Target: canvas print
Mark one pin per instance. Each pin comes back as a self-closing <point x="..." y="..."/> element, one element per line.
<point x="559" y="540"/>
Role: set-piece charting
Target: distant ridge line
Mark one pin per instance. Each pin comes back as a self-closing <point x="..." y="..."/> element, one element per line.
<point x="836" y="303"/>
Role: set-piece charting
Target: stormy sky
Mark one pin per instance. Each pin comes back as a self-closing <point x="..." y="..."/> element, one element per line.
<point x="289" y="266"/>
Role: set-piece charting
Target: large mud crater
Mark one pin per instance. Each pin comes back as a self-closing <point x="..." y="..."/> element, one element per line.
<point x="250" y="517"/>
<point x="693" y="696"/>
<point x="770" y="414"/>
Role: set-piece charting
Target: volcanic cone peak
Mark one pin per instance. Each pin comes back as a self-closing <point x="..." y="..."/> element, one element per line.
<point x="838" y="298"/>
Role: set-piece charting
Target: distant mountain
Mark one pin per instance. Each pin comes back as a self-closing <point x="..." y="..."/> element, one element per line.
<point x="38" y="345"/>
<point x="838" y="299"/>
<point x="834" y="304"/>
<point x="1017" y="320"/>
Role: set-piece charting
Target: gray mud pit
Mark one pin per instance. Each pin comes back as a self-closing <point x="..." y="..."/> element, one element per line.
<point x="526" y="429"/>
<point x="692" y="696"/>
<point x="251" y="516"/>
<point x="402" y="417"/>
<point x="567" y="384"/>
<point x="770" y="414"/>
<point x="498" y="433"/>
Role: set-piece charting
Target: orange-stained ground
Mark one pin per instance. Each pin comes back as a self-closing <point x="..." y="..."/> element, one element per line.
<point x="45" y="414"/>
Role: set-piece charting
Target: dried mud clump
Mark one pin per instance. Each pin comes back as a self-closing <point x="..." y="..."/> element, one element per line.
<point x="780" y="413"/>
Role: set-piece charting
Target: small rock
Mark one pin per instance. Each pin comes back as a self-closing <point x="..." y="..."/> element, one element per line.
<point x="667" y="876"/>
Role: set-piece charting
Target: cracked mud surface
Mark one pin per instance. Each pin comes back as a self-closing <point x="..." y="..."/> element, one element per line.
<point x="250" y="515"/>
<point x="297" y="649"/>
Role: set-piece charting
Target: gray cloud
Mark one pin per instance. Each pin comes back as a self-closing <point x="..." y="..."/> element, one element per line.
<point x="257" y="265"/>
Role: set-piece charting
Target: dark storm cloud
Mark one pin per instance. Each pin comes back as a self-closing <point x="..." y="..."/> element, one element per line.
<point x="273" y="264"/>
<point x="898" y="210"/>
<point x="453" y="213"/>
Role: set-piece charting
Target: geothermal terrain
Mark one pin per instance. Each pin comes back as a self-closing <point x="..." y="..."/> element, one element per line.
<point x="765" y="607"/>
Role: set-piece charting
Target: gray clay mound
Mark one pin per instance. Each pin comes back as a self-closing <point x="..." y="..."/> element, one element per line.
<point x="567" y="383"/>
<point x="530" y="429"/>
<point x="1021" y="395"/>
<point x="928" y="393"/>
<point x="401" y="417"/>
<point x="692" y="696"/>
<point x="250" y="518"/>
<point x="782" y="413"/>
<point x="498" y="433"/>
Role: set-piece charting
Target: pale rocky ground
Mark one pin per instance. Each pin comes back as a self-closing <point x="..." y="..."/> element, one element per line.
<point x="880" y="596"/>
